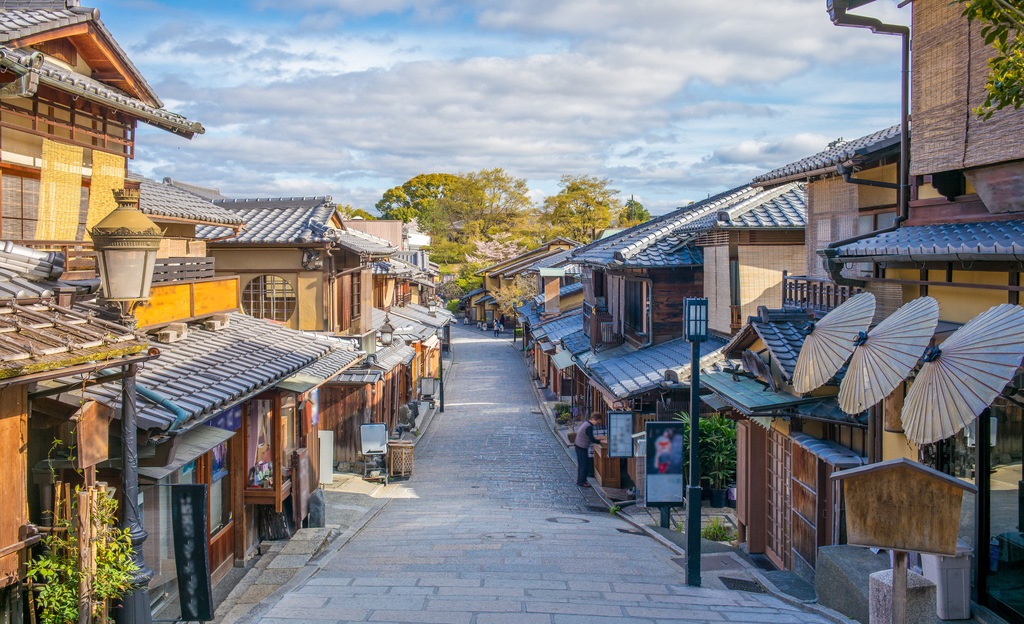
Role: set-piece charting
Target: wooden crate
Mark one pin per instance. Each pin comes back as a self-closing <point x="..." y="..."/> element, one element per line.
<point x="400" y="459"/>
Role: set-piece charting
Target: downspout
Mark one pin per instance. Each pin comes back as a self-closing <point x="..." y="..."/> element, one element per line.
<point x="837" y="10"/>
<point x="180" y="415"/>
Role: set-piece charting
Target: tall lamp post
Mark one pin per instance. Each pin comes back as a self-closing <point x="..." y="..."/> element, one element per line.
<point x="126" y="243"/>
<point x="440" y="367"/>
<point x="695" y="330"/>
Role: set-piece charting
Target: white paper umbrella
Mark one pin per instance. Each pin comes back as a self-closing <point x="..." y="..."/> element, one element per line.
<point x="884" y="356"/>
<point x="830" y="342"/>
<point x="964" y="375"/>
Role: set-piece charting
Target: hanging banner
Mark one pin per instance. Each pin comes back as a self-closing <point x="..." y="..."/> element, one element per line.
<point x="189" y="522"/>
<point x="664" y="462"/>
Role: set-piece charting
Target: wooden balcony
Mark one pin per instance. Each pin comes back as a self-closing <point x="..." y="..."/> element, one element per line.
<point x="816" y="294"/>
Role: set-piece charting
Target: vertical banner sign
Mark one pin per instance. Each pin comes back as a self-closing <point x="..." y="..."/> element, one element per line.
<point x="664" y="462"/>
<point x="192" y="551"/>
<point x="620" y="434"/>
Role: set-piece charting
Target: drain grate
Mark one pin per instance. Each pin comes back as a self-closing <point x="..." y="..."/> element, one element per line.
<point x="742" y="585"/>
<point x="511" y="536"/>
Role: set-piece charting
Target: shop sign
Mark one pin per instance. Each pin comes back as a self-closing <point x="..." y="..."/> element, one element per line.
<point x="620" y="434"/>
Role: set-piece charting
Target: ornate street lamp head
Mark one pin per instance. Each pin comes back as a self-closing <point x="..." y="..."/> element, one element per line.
<point x="126" y="243"/>
<point x="387" y="332"/>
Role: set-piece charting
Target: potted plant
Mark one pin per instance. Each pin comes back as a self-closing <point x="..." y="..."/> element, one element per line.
<point x="718" y="455"/>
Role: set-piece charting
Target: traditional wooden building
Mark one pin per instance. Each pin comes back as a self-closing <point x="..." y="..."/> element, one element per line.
<point x="481" y="305"/>
<point x="297" y="266"/>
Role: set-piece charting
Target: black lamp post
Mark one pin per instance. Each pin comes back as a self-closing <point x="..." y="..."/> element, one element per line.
<point x="126" y="243"/>
<point x="695" y="330"/>
<point x="440" y="367"/>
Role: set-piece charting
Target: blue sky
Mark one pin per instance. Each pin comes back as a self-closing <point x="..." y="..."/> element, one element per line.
<point x="672" y="100"/>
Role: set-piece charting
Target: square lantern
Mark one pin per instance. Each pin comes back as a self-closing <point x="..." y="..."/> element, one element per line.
<point x="695" y="319"/>
<point x="126" y="243"/>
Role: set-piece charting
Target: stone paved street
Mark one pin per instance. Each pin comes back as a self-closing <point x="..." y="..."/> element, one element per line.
<point x="491" y="529"/>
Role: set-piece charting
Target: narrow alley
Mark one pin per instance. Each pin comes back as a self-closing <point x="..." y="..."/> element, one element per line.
<point x="492" y="529"/>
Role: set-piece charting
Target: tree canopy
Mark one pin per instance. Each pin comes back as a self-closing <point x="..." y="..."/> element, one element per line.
<point x="632" y="213"/>
<point x="1003" y="28"/>
<point x="417" y="197"/>
<point x="582" y="208"/>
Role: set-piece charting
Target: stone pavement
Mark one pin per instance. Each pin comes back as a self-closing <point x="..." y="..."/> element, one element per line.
<point x="492" y="529"/>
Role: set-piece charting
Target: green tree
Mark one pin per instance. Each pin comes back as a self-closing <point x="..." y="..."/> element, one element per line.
<point x="1003" y="28"/>
<point x="582" y="208"/>
<point x="346" y="212"/>
<point x="417" y="196"/>
<point x="633" y="213"/>
<point x="514" y="293"/>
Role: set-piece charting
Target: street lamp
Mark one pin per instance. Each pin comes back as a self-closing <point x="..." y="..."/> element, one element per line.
<point x="387" y="332"/>
<point x="126" y="244"/>
<point x="695" y="330"/>
<point x="440" y="366"/>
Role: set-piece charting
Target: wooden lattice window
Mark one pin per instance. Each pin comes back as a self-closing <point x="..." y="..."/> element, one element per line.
<point x="269" y="297"/>
<point x="355" y="303"/>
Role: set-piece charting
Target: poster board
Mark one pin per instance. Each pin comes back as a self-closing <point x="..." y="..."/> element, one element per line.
<point x="620" y="434"/>
<point x="663" y="479"/>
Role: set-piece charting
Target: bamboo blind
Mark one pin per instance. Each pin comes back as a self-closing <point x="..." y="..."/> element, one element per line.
<point x="107" y="176"/>
<point x="716" y="287"/>
<point x="60" y="198"/>
<point x="761" y="268"/>
<point x="950" y="66"/>
<point x="831" y="216"/>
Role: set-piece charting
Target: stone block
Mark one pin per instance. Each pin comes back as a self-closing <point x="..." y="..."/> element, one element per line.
<point x="841" y="578"/>
<point x="920" y="599"/>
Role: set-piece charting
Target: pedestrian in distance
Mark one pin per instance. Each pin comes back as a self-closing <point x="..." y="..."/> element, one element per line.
<point x="497" y="328"/>
<point x="584" y="438"/>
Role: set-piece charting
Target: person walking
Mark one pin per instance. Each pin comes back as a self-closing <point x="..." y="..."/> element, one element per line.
<point x="584" y="438"/>
<point x="497" y="328"/>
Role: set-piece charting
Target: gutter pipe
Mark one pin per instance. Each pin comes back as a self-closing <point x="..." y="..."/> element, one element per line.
<point x="837" y="11"/>
<point x="180" y="415"/>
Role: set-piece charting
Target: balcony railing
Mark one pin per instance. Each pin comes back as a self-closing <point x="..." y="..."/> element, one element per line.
<point x="819" y="295"/>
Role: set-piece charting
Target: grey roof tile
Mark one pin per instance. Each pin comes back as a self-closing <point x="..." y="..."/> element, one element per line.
<point x="209" y="371"/>
<point x="625" y="374"/>
<point x="285" y="220"/>
<point x="422" y="315"/>
<point x="78" y="85"/>
<point x="363" y="243"/>
<point x="576" y="343"/>
<point x="209" y="194"/>
<point x="554" y="329"/>
<point x="164" y="200"/>
<point x="829" y="158"/>
<point x="986" y="240"/>
<point x="387" y="358"/>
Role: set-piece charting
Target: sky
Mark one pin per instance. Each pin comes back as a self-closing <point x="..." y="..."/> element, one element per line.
<point x="670" y="100"/>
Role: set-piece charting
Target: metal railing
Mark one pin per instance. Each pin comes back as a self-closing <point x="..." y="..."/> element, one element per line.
<point x="819" y="295"/>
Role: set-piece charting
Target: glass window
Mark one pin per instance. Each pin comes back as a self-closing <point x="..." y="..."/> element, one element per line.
<point x="269" y="297"/>
<point x="355" y="304"/>
<point x="220" y="488"/>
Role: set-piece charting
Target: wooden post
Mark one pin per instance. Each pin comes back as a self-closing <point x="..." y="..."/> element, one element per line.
<point x="899" y="587"/>
<point x="84" y="557"/>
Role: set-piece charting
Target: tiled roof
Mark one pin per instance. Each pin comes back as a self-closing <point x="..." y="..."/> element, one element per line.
<point x="473" y="293"/>
<point x="23" y="18"/>
<point x="392" y="267"/>
<point x="825" y="160"/>
<point x="987" y="240"/>
<point x="422" y="314"/>
<point x="784" y="340"/>
<point x="23" y="61"/>
<point x="389" y="357"/>
<point x="570" y="289"/>
<point x="652" y="243"/>
<point x="37" y="338"/>
<point x="781" y="207"/>
<point x="577" y="342"/>
<point x="209" y="371"/>
<point x="749" y="396"/>
<point x="358" y="377"/>
<point x="560" y="326"/>
<point x="635" y="372"/>
<point x="286" y="220"/>
<point x="202" y="191"/>
<point x="163" y="200"/>
<point x="560" y="259"/>
<point x="362" y="243"/>
<point x="529" y="314"/>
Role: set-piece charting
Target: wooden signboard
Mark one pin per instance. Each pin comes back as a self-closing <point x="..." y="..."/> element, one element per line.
<point x="620" y="434"/>
<point x="302" y="485"/>
<point x="91" y="424"/>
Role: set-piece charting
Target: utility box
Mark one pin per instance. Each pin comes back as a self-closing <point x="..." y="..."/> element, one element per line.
<point x="952" y="578"/>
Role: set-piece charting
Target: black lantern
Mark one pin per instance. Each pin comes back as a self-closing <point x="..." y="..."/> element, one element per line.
<point x="695" y="319"/>
<point x="126" y="243"/>
<point x="387" y="332"/>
